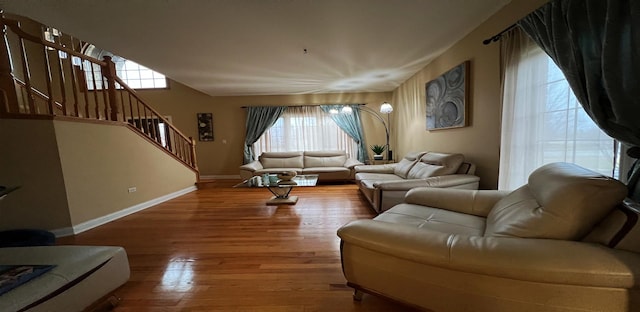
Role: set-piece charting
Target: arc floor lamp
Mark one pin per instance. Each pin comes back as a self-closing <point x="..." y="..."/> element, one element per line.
<point x="385" y="108"/>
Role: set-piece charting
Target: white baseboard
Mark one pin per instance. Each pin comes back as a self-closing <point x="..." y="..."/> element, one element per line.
<point x="220" y="177"/>
<point x="84" y="226"/>
<point x="67" y="231"/>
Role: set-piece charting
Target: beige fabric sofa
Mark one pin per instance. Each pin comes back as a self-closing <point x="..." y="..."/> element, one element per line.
<point x="386" y="185"/>
<point x="328" y="165"/>
<point x="562" y="242"/>
<point x="82" y="275"/>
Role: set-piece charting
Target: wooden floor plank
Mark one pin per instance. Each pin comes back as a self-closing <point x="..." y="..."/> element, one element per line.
<point x="223" y="249"/>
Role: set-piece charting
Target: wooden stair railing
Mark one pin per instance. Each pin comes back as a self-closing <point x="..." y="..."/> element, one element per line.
<point x="77" y="86"/>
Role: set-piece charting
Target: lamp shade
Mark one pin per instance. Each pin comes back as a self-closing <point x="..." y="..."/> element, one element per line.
<point x="386" y="108"/>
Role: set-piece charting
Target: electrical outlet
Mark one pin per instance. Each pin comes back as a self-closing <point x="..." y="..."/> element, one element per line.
<point x="132" y="189"/>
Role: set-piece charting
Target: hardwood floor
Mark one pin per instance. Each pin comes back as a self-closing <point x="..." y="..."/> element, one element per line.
<point x="222" y="249"/>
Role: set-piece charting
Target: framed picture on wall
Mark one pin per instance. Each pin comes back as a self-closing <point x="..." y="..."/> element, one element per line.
<point x="448" y="99"/>
<point x="205" y="127"/>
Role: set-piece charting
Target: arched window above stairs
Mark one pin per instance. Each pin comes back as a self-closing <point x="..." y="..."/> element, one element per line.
<point x="133" y="74"/>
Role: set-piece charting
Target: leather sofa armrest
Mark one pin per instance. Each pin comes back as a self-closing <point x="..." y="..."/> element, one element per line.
<point x="252" y="166"/>
<point x="352" y="162"/>
<point x="387" y="168"/>
<point x="535" y="260"/>
<point x="247" y="170"/>
<point x="473" y="202"/>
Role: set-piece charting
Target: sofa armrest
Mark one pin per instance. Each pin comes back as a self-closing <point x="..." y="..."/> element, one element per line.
<point x="387" y="168"/>
<point x="352" y="162"/>
<point x="252" y="166"/>
<point x="473" y="202"/>
<point x="535" y="260"/>
<point x="247" y="170"/>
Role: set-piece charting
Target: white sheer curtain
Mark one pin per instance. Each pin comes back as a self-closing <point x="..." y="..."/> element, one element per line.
<point x="542" y="121"/>
<point x="305" y="128"/>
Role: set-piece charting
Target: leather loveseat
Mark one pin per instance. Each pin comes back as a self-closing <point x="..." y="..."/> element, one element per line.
<point x="386" y="185"/>
<point x="328" y="165"/>
<point x="563" y="242"/>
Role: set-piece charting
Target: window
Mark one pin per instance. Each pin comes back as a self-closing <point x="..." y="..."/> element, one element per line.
<point x="137" y="76"/>
<point x="305" y="128"/>
<point x="133" y="74"/>
<point x="542" y="121"/>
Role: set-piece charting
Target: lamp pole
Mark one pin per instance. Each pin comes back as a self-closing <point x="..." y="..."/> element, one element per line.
<point x="386" y="128"/>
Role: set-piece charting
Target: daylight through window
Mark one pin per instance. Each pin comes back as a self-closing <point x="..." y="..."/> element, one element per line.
<point x="133" y="74"/>
<point x="305" y="128"/>
<point x="543" y="122"/>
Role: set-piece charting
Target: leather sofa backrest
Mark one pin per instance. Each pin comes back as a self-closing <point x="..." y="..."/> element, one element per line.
<point x="281" y="159"/>
<point x="324" y="159"/>
<point x="620" y="229"/>
<point x="435" y="164"/>
<point x="402" y="168"/>
<point x="560" y="201"/>
<point x="466" y="168"/>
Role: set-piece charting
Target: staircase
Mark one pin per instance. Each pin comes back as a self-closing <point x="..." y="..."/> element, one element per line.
<point x="53" y="79"/>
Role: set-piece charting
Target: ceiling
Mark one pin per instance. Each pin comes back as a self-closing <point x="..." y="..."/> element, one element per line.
<point x="257" y="47"/>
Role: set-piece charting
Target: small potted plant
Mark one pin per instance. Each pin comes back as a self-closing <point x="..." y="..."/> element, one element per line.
<point x="377" y="151"/>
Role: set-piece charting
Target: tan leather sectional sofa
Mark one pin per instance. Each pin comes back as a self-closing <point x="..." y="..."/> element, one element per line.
<point x="386" y="185"/>
<point x="328" y="165"/>
<point x="563" y="242"/>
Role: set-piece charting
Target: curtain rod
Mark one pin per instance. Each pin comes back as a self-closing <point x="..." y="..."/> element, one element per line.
<point x="306" y="105"/>
<point x="497" y="36"/>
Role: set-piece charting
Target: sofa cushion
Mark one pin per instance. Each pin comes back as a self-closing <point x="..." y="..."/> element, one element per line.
<point x="376" y="177"/>
<point x="402" y="168"/>
<point x="435" y="164"/>
<point x="561" y="201"/>
<point x="434" y="219"/>
<point x="281" y="160"/>
<point x="314" y="170"/>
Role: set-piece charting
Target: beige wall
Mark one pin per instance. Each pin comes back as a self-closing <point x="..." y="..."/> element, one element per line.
<point x="72" y="172"/>
<point x="100" y="162"/>
<point x="223" y="156"/>
<point x="480" y="142"/>
<point x="29" y="158"/>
